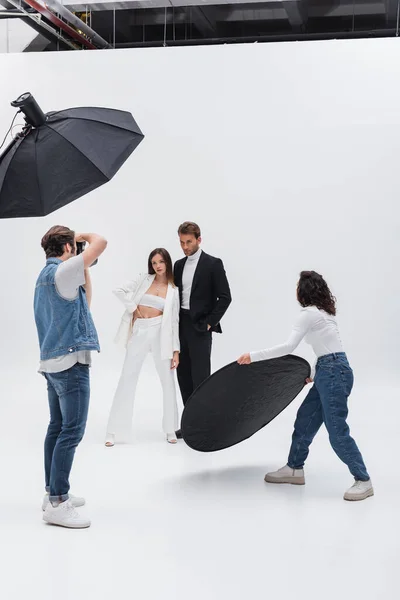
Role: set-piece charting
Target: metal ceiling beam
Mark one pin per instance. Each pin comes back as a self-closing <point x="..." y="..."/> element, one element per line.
<point x="50" y="10"/>
<point x="222" y="13"/>
<point x="68" y="16"/>
<point x="82" y="5"/>
<point x="10" y="14"/>
<point x="37" y="20"/>
<point x="318" y="8"/>
<point x="50" y="16"/>
<point x="44" y="31"/>
<point x="292" y="37"/>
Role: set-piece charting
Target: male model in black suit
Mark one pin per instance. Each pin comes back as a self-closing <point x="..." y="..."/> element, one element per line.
<point x="205" y="296"/>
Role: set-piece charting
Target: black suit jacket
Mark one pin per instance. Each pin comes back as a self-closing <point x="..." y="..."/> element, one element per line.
<point x="210" y="295"/>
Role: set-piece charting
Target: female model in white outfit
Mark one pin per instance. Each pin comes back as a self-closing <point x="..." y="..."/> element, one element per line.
<point x="150" y="324"/>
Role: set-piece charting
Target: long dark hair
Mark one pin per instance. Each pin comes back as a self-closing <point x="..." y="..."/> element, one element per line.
<point x="312" y="290"/>
<point x="168" y="263"/>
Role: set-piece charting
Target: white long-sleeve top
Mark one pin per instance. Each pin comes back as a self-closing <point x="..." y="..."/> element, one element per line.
<point x="319" y="329"/>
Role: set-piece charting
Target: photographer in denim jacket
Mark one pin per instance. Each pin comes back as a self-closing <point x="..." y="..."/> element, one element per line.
<point x="67" y="335"/>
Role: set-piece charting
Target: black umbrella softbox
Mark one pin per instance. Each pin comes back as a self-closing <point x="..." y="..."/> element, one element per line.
<point x="60" y="156"/>
<point x="238" y="400"/>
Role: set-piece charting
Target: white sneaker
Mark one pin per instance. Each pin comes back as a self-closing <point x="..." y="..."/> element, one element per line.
<point x="75" y="501"/>
<point x="286" y="475"/>
<point x="64" y="515"/>
<point x="360" y="490"/>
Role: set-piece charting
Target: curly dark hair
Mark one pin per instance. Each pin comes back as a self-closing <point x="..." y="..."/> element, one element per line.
<point x="312" y="290"/>
<point x="168" y="263"/>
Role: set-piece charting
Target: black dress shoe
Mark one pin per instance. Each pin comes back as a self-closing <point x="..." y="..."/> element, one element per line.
<point x="178" y="434"/>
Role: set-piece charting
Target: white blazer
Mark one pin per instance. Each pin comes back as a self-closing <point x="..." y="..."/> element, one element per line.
<point x="130" y="295"/>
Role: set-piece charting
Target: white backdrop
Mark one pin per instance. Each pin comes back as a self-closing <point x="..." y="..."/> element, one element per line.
<point x="285" y="154"/>
<point x="287" y="157"/>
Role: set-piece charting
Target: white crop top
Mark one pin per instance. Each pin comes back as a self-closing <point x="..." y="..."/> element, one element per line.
<point x="152" y="301"/>
<point x="319" y="329"/>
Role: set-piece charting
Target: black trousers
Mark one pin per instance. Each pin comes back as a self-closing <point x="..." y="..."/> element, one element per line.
<point x="195" y="356"/>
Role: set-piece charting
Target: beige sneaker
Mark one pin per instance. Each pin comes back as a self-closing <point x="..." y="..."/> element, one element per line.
<point x="286" y="475"/>
<point x="360" y="490"/>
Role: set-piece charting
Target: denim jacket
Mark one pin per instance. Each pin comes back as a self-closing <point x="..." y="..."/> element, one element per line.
<point x="64" y="326"/>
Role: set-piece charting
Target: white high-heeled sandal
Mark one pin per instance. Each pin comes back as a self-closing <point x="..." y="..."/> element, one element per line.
<point x="171" y="438"/>
<point x="110" y="440"/>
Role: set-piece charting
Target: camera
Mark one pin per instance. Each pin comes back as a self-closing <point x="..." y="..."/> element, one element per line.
<point x="80" y="246"/>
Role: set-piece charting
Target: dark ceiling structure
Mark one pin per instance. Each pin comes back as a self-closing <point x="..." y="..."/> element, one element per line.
<point x="141" y="23"/>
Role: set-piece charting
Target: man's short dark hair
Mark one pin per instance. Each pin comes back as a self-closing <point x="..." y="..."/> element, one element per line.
<point x="189" y="228"/>
<point x="54" y="241"/>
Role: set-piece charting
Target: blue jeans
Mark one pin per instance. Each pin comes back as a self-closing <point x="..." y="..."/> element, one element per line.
<point x="69" y="393"/>
<point x="326" y="403"/>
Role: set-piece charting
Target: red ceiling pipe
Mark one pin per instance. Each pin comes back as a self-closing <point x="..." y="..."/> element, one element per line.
<point x="59" y="23"/>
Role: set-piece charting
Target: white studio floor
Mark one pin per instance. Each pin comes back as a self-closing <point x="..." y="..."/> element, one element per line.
<point x="168" y="522"/>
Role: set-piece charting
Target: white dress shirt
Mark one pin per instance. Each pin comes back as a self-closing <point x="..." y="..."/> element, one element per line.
<point x="319" y="329"/>
<point x="187" y="278"/>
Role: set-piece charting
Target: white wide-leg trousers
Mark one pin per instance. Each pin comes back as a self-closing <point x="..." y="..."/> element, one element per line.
<point x="145" y="338"/>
